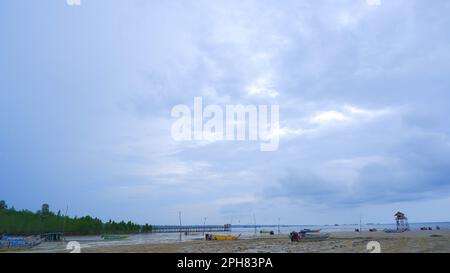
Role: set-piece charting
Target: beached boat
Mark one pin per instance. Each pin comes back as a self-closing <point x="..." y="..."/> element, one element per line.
<point x="314" y="237"/>
<point x="387" y="230"/>
<point x="217" y="237"/>
<point x="15" y="242"/>
<point x="307" y="230"/>
<point x="114" y="237"/>
<point x="303" y="236"/>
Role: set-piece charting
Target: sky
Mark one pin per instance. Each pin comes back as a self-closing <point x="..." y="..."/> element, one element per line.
<point x="86" y="93"/>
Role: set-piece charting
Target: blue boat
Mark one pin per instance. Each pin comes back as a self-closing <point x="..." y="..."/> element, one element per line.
<point x="7" y="242"/>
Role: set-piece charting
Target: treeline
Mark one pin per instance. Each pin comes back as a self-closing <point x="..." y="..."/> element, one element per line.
<point x="25" y="222"/>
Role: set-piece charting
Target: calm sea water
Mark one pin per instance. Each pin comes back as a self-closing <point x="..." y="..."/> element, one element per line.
<point x="250" y="230"/>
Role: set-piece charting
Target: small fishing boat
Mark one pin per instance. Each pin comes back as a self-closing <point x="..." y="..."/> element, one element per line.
<point x="394" y="230"/>
<point x="114" y="237"/>
<point x="266" y="232"/>
<point x="216" y="237"/>
<point x="307" y="230"/>
<point x="314" y="237"/>
<point x="8" y="242"/>
<point x="303" y="236"/>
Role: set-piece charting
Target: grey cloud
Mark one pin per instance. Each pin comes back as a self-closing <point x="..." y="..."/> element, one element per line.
<point x="420" y="169"/>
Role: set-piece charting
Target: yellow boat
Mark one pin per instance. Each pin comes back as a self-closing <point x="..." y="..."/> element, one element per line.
<point x="217" y="237"/>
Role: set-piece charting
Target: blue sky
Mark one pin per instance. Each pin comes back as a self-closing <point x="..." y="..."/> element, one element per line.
<point x="86" y="94"/>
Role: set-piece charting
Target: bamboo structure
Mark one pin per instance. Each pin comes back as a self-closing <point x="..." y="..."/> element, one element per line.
<point x="401" y="221"/>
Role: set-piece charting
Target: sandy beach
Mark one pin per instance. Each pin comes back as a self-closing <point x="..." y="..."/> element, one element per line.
<point x="340" y="242"/>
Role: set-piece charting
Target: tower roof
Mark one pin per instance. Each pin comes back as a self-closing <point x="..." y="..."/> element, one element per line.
<point x="400" y="215"/>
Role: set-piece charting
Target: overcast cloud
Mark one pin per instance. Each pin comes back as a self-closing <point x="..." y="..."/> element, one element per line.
<point x="87" y="91"/>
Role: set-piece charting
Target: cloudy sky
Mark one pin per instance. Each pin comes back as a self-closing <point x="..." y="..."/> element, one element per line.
<point x="86" y="94"/>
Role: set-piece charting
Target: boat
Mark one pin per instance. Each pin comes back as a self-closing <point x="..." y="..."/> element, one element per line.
<point x="314" y="237"/>
<point x="307" y="230"/>
<point x="394" y="230"/>
<point x="217" y="237"/>
<point x="303" y="236"/>
<point x="16" y="242"/>
<point x="266" y="232"/>
<point x="114" y="237"/>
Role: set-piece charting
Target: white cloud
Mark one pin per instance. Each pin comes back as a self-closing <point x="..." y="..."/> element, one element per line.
<point x="262" y="86"/>
<point x="292" y="132"/>
<point x="328" y="116"/>
<point x="347" y="113"/>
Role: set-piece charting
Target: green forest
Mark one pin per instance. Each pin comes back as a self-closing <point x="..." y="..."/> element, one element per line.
<point x="25" y="222"/>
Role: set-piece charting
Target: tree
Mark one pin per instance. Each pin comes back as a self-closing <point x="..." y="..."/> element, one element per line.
<point x="25" y="222"/>
<point x="45" y="210"/>
<point x="3" y="205"/>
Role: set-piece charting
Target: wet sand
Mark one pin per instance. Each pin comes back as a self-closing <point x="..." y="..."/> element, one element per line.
<point x="342" y="242"/>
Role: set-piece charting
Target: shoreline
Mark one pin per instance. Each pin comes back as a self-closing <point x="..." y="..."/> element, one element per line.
<point x="339" y="242"/>
<point x="437" y="241"/>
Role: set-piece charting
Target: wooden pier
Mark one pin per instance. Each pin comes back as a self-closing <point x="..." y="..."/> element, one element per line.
<point x="191" y="229"/>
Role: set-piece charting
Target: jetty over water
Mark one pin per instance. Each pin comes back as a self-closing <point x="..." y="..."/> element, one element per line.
<point x="189" y="229"/>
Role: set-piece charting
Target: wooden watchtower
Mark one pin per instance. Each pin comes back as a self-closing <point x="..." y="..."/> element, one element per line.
<point x="402" y="221"/>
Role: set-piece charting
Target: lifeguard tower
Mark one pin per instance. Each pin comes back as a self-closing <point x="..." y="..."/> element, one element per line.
<point x="402" y="222"/>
